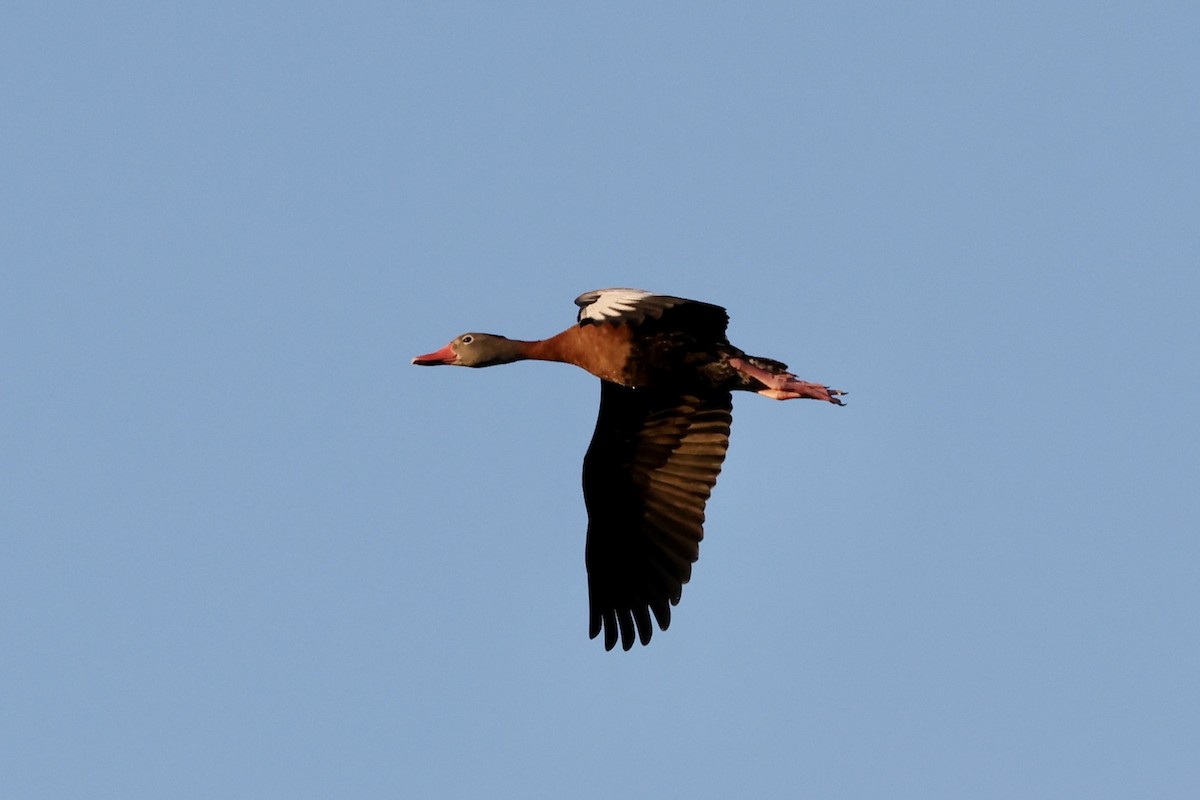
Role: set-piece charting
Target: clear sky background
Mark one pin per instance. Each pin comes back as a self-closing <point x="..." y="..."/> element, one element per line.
<point x="248" y="551"/>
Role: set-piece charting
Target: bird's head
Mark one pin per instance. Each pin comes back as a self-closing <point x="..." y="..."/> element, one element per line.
<point x="472" y="350"/>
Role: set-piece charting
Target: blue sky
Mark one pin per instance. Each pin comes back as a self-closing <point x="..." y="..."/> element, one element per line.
<point x="249" y="551"/>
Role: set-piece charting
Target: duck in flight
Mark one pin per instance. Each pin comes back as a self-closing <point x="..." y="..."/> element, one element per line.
<point x="666" y="374"/>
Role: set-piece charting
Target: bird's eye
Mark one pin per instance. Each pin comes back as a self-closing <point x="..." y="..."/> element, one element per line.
<point x="467" y="339"/>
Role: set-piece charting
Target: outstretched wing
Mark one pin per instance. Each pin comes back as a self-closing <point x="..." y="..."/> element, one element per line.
<point x="635" y="307"/>
<point x="652" y="463"/>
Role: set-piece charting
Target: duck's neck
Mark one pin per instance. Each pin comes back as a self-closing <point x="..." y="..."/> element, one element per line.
<point x="553" y="349"/>
<point x="505" y="351"/>
<point x="592" y="348"/>
<point x="600" y="350"/>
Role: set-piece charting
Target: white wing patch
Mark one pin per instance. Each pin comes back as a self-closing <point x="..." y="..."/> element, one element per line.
<point x="604" y="304"/>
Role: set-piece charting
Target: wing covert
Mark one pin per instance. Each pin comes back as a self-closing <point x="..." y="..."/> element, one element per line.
<point x="636" y="307"/>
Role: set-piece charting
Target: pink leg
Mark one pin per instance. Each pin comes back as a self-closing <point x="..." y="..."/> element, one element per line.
<point x="784" y="385"/>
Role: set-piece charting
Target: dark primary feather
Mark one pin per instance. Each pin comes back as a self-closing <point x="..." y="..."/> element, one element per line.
<point x="652" y="463"/>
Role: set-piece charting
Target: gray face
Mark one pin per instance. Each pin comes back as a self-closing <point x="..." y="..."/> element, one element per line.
<point x="482" y="349"/>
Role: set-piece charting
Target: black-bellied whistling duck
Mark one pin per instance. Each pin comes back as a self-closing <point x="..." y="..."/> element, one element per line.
<point x="666" y="371"/>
